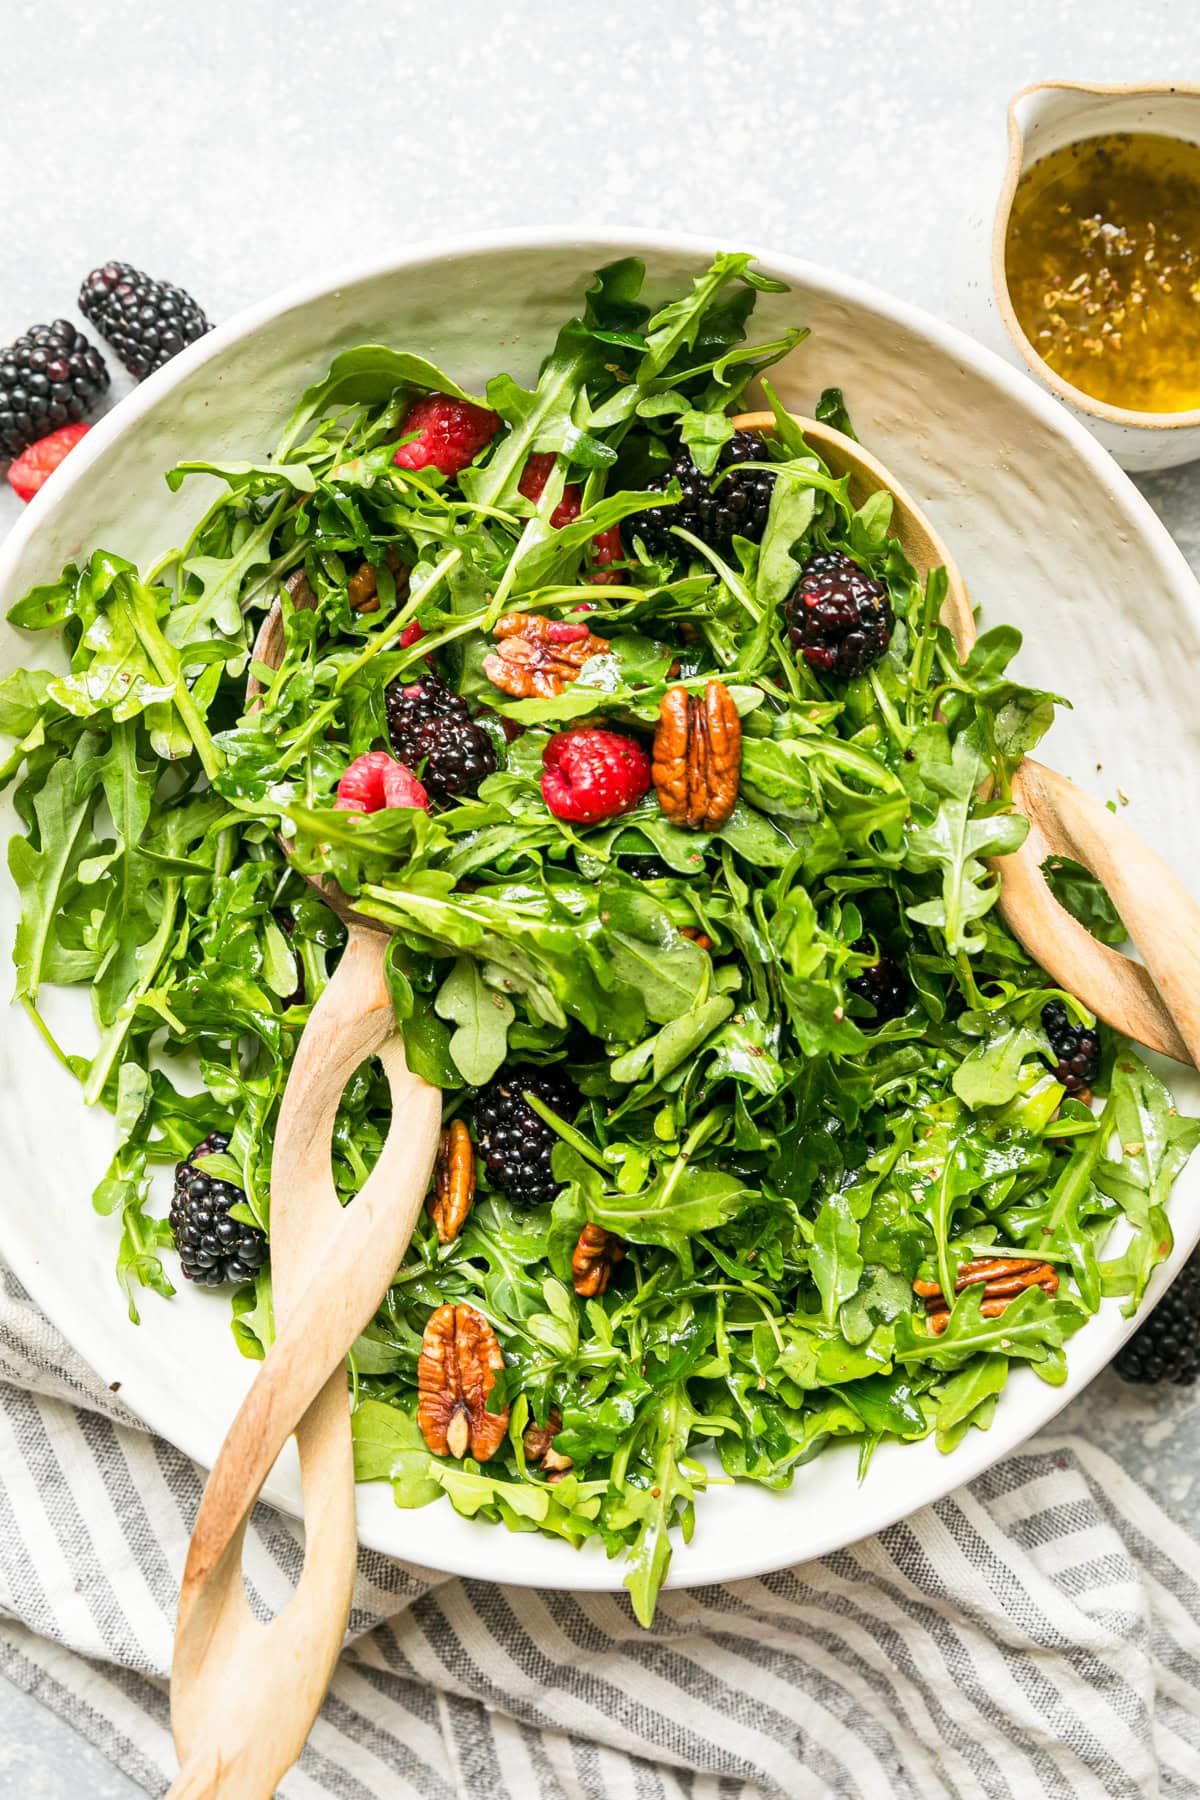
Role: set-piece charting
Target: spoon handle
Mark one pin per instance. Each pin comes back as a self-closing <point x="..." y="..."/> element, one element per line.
<point x="244" y="1695"/>
<point x="1159" y="1004"/>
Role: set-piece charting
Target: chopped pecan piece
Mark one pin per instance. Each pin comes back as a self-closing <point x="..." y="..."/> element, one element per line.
<point x="698" y="937"/>
<point x="697" y="756"/>
<point x="456" y="1371"/>
<point x="363" y="590"/>
<point x="538" y="1443"/>
<point x="537" y="656"/>
<point x="1002" y="1278"/>
<point x="453" y="1182"/>
<point x="594" y="1258"/>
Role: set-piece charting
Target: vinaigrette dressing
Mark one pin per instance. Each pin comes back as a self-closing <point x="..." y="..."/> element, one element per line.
<point x="1102" y="259"/>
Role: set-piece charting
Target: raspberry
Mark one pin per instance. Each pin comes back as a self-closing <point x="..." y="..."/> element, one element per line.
<point x="450" y="434"/>
<point x="533" y="480"/>
<point x="412" y="632"/>
<point x="589" y="775"/>
<point x="606" y="548"/>
<point x="839" y="617"/>
<point x="377" y="780"/>
<point x="34" y="468"/>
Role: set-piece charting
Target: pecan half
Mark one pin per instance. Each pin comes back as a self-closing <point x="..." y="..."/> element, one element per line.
<point x="453" y="1182"/>
<point x="1002" y="1278"/>
<point x="538" y="1444"/>
<point x="537" y="656"/>
<point x="593" y="1259"/>
<point x="697" y="756"/>
<point x="456" y="1371"/>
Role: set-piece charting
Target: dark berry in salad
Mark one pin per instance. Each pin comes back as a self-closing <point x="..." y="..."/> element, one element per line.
<point x="732" y="501"/>
<point x="147" y="322"/>
<point x="1076" y="1048"/>
<point x="839" y="618"/>
<point x="432" y="732"/>
<point x="514" y="1141"/>
<point x="213" y="1248"/>
<point x="882" y="983"/>
<point x="1167" y="1346"/>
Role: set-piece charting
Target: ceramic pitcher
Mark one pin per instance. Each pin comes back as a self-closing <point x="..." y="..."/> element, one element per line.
<point x="1041" y="119"/>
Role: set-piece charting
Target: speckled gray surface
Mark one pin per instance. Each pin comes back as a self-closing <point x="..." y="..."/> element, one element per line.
<point x="234" y="147"/>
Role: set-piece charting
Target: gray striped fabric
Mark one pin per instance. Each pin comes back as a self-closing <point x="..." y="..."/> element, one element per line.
<point x="1037" y="1633"/>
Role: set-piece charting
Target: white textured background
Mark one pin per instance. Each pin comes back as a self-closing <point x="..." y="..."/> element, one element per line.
<point x="237" y="145"/>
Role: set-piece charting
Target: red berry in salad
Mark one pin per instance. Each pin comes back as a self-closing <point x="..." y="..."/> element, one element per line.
<point x="375" y="781"/>
<point x="589" y="775"/>
<point x="33" y="469"/>
<point x="450" y="434"/>
<point x="606" y="548"/>
<point x="533" y="481"/>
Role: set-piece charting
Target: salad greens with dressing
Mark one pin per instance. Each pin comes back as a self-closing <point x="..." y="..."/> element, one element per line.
<point x="781" y="1163"/>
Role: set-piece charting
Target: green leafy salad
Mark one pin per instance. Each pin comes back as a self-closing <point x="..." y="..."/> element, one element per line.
<point x="649" y="748"/>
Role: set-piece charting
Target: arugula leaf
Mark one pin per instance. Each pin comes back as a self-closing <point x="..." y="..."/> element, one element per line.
<point x="482" y="1017"/>
<point x="956" y="838"/>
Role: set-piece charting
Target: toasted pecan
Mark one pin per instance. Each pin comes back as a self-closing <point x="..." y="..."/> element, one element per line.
<point x="697" y="756"/>
<point x="538" y="657"/>
<point x="454" y="1181"/>
<point x="538" y="1444"/>
<point x="456" y="1371"/>
<point x="594" y="1258"/>
<point x="1002" y="1279"/>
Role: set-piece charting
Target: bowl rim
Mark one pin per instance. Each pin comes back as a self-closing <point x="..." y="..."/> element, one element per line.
<point x="733" y="1558"/>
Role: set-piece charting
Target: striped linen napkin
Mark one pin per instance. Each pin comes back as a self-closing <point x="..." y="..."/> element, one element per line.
<point x="1036" y="1633"/>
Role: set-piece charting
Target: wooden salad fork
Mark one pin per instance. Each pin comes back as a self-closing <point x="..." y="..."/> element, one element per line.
<point x="1157" y="1004"/>
<point x="244" y="1695"/>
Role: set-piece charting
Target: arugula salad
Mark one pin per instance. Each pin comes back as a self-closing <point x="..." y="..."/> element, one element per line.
<point x="650" y="750"/>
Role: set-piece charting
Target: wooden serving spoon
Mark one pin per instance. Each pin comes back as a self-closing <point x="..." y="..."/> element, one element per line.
<point x="1157" y="1005"/>
<point x="244" y="1695"/>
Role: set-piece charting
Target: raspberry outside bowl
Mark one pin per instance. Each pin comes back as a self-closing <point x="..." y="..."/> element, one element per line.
<point x="1108" y="607"/>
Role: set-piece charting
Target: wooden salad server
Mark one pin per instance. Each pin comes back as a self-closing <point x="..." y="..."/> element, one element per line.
<point x="1157" y="1005"/>
<point x="244" y="1695"/>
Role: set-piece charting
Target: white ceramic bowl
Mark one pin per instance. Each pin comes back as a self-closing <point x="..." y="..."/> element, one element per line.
<point x="1049" y="534"/>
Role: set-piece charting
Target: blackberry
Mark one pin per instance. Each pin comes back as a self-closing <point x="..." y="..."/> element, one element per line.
<point x="713" y="507"/>
<point x="52" y="376"/>
<point x="212" y="1247"/>
<point x="147" y="322"/>
<point x="433" y="734"/>
<point x="1076" y="1048"/>
<point x="882" y="983"/>
<point x="513" y="1141"/>
<point x="839" y="617"/>
<point x="1167" y="1346"/>
<point x="647" y="868"/>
